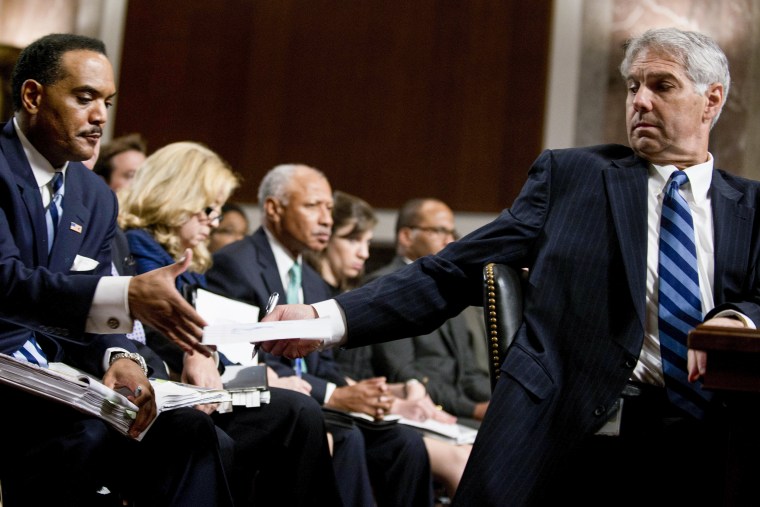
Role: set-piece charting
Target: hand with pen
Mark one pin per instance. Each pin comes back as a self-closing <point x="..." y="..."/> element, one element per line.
<point x="296" y="347"/>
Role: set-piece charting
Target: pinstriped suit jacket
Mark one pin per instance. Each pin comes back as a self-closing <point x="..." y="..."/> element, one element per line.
<point x="580" y="225"/>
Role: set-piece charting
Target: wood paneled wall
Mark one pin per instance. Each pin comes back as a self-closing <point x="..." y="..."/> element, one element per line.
<point x="391" y="99"/>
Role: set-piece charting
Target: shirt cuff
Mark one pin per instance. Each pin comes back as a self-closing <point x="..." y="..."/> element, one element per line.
<point x="733" y="313"/>
<point x="332" y="309"/>
<point x="329" y="390"/>
<point x="109" y="313"/>
<point x="107" y="356"/>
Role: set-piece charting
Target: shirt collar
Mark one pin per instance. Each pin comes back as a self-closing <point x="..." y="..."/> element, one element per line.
<point x="700" y="177"/>
<point x="42" y="169"/>
<point x="281" y="256"/>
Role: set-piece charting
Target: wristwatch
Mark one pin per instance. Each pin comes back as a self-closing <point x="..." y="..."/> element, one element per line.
<point x="134" y="356"/>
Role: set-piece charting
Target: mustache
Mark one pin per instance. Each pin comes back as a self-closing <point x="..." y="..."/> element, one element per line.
<point x="93" y="131"/>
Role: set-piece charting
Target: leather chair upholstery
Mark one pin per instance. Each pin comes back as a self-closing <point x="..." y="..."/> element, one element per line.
<point x="502" y="310"/>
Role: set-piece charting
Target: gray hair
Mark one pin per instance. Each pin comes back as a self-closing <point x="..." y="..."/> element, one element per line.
<point x="700" y="56"/>
<point x="275" y="183"/>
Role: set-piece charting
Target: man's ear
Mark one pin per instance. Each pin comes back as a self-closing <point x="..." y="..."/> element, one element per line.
<point x="404" y="237"/>
<point x="272" y="209"/>
<point x="714" y="95"/>
<point x="31" y="95"/>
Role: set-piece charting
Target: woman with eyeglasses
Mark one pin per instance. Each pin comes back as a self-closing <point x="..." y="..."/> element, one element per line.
<point x="173" y="204"/>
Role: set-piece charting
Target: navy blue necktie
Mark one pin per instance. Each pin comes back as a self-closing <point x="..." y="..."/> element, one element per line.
<point x="52" y="210"/>
<point x="680" y="305"/>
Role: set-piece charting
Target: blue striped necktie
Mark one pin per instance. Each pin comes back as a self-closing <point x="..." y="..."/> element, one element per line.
<point x="680" y="306"/>
<point x="31" y="353"/>
<point x="52" y="210"/>
<point x="31" y="350"/>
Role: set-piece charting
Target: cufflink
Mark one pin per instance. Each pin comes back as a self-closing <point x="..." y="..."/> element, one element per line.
<point x="113" y="323"/>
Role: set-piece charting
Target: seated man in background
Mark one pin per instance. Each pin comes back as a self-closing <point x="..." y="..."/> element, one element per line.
<point x="234" y="226"/>
<point x="444" y="359"/>
<point x="296" y="203"/>
<point x="120" y="160"/>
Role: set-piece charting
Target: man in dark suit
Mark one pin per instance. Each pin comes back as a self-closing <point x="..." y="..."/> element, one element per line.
<point x="62" y="86"/>
<point x="444" y="359"/>
<point x="296" y="204"/>
<point x="587" y="225"/>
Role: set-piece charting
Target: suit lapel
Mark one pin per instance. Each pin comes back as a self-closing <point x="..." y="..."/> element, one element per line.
<point x="270" y="275"/>
<point x="27" y="187"/>
<point x="732" y="226"/>
<point x="626" y="183"/>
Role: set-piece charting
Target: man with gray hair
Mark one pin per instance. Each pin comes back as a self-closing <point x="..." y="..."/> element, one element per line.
<point x="628" y="248"/>
<point x="374" y="465"/>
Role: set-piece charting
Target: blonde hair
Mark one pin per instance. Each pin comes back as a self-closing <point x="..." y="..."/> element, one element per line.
<point x="173" y="184"/>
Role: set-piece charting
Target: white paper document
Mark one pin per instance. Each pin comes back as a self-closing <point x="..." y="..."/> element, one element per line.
<point x="219" y="309"/>
<point x="236" y="332"/>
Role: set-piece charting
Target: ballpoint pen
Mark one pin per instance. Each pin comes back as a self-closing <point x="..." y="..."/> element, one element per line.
<point x="273" y="299"/>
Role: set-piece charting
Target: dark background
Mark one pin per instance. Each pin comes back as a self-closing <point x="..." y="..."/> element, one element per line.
<point x="392" y="100"/>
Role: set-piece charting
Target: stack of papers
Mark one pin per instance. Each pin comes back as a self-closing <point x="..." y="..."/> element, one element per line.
<point x="171" y="395"/>
<point x="80" y="391"/>
<point x="64" y="384"/>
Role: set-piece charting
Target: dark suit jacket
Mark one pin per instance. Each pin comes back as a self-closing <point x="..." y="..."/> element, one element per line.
<point x="580" y="225"/>
<point x="443" y="359"/>
<point x="247" y="270"/>
<point x="24" y="290"/>
<point x="88" y="203"/>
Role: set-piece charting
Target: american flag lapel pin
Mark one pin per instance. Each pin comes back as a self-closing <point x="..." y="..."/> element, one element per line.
<point x="76" y="227"/>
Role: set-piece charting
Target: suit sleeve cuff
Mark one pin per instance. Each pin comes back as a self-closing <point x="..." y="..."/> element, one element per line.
<point x="109" y="313"/>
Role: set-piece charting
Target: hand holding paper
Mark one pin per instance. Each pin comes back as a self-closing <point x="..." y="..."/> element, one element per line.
<point x="295" y="345"/>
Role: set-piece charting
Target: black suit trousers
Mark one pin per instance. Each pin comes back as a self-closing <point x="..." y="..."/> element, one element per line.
<point x="281" y="452"/>
<point x="177" y="463"/>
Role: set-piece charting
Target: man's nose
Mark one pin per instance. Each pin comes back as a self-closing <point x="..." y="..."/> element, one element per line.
<point x="642" y="100"/>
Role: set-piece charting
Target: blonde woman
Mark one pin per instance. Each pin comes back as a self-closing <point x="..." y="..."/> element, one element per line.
<point x="173" y="204"/>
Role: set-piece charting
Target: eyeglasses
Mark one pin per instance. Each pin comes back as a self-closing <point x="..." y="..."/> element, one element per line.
<point x="212" y="215"/>
<point x="442" y="231"/>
